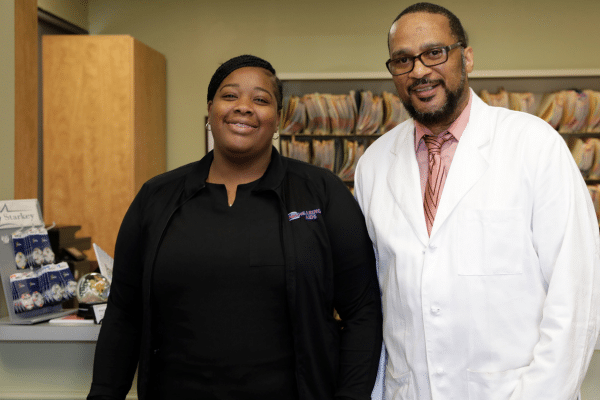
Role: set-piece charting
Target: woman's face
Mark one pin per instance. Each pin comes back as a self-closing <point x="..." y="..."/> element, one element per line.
<point x="243" y="114"/>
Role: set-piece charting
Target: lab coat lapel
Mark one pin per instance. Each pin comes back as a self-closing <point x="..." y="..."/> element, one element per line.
<point x="469" y="162"/>
<point x="404" y="182"/>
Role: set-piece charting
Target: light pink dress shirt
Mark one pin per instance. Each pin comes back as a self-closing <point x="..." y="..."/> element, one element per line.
<point x="448" y="148"/>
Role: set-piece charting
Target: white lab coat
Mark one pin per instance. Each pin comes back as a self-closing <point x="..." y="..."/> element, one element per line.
<point x="502" y="301"/>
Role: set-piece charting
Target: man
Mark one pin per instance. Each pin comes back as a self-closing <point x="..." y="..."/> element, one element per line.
<point x="484" y="231"/>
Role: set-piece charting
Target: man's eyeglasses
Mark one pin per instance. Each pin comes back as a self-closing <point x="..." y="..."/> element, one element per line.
<point x="429" y="58"/>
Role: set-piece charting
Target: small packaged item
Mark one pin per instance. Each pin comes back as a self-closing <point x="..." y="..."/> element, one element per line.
<point x="67" y="280"/>
<point x="17" y="285"/>
<point x="20" y="249"/>
<point x="26" y="292"/>
<point x="47" y="252"/>
<point x="43" y="282"/>
<point x="29" y="248"/>
<point x="35" y="244"/>
<point x="35" y="290"/>
<point x="52" y="286"/>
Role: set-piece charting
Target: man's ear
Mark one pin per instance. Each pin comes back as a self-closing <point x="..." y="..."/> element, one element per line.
<point x="468" y="52"/>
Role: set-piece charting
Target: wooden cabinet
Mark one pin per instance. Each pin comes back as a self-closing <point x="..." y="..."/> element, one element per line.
<point x="104" y="122"/>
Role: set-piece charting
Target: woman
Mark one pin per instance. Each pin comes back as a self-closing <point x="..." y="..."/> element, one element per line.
<point x="227" y="270"/>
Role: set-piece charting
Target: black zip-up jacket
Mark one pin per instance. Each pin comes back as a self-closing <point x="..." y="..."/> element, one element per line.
<point x="329" y="264"/>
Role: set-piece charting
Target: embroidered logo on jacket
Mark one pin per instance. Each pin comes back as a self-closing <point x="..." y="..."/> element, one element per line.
<point x="308" y="215"/>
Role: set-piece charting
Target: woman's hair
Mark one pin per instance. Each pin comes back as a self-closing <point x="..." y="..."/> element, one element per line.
<point x="234" y="63"/>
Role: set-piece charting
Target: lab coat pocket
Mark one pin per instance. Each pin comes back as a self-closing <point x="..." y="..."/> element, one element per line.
<point x="493" y="385"/>
<point x="399" y="387"/>
<point x="492" y="242"/>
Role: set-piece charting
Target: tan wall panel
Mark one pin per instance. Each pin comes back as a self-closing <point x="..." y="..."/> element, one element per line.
<point x="7" y="99"/>
<point x="26" y="100"/>
<point x="151" y="113"/>
<point x="88" y="133"/>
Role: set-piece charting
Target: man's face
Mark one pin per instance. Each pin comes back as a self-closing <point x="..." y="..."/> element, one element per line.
<point x="434" y="96"/>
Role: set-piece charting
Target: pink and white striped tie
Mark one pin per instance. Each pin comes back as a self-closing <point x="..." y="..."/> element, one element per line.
<point x="436" y="177"/>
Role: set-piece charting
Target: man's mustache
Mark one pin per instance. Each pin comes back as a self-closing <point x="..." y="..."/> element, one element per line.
<point x="426" y="81"/>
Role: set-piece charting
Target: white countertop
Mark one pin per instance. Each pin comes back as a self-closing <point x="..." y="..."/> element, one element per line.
<point x="46" y="332"/>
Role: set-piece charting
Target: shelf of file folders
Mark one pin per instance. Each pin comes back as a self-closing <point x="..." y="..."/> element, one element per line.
<point x="575" y="114"/>
<point x="34" y="286"/>
<point x="333" y="130"/>
<point x="339" y="154"/>
<point x="585" y="148"/>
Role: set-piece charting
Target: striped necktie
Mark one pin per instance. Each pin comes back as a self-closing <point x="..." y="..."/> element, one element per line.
<point x="435" y="178"/>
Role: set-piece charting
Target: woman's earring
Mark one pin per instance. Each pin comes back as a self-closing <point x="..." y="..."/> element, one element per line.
<point x="276" y="135"/>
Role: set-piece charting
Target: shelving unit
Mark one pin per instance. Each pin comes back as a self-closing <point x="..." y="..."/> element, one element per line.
<point x="537" y="82"/>
<point x="363" y="139"/>
<point x="570" y="138"/>
<point x="534" y="81"/>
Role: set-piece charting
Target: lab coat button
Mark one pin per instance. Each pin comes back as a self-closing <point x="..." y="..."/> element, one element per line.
<point x="440" y="371"/>
<point x="432" y="247"/>
<point x="435" y="310"/>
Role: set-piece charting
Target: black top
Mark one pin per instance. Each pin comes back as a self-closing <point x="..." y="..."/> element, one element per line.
<point x="219" y="292"/>
<point x="329" y="263"/>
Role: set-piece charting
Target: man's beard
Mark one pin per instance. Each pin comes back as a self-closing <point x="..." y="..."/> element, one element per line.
<point x="446" y="112"/>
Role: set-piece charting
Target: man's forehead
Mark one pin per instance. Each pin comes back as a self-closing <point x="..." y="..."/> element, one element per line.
<point x="420" y="27"/>
<point x="421" y="21"/>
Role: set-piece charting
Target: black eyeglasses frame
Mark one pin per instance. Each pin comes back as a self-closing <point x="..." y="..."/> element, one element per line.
<point x="446" y="49"/>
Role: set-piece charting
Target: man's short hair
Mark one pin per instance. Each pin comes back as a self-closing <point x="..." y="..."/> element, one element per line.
<point x="456" y="27"/>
